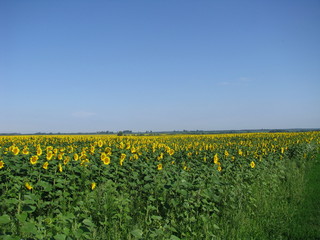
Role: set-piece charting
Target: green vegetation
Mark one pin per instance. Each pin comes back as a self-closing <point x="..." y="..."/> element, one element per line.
<point x="284" y="206"/>
<point x="239" y="186"/>
<point x="306" y="222"/>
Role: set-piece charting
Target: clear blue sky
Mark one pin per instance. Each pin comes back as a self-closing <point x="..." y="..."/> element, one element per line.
<point x="70" y="66"/>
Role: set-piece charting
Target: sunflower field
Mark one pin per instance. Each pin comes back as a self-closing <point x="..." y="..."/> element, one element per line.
<point x="148" y="187"/>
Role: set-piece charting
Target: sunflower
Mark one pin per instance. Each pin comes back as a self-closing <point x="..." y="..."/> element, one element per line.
<point x="28" y="186"/>
<point x="133" y="150"/>
<point x="100" y="143"/>
<point x="252" y="164"/>
<point x="1" y="164"/>
<point x="103" y="156"/>
<point x="226" y="153"/>
<point x="60" y="156"/>
<point x="76" y="157"/>
<point x="216" y="158"/>
<point x="49" y="155"/>
<point x="66" y="160"/>
<point x="170" y="152"/>
<point x="25" y="151"/>
<point x="122" y="158"/>
<point x="106" y="160"/>
<point x="108" y="150"/>
<point x="34" y="159"/>
<point x="45" y="165"/>
<point x="49" y="148"/>
<point x="240" y="152"/>
<point x="15" y="150"/>
<point x="39" y="151"/>
<point x="60" y="167"/>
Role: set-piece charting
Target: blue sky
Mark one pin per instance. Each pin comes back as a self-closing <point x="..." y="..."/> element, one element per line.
<point x="83" y="66"/>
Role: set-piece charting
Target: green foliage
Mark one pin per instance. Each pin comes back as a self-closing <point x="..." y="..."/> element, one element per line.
<point x="189" y="197"/>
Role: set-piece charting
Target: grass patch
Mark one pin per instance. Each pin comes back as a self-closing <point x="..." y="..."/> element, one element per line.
<point x="306" y="222"/>
<point x="279" y="206"/>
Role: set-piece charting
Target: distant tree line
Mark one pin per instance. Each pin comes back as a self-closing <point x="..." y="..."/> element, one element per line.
<point x="174" y="132"/>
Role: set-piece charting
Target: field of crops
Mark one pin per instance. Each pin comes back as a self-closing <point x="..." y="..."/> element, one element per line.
<point x="134" y="187"/>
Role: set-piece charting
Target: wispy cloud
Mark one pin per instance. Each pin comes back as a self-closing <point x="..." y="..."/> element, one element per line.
<point x="83" y="114"/>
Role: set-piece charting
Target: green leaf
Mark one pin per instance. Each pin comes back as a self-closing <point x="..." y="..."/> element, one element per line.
<point x="4" y="219"/>
<point x="60" y="237"/>
<point x="137" y="233"/>
<point x="59" y="185"/>
<point x="69" y="215"/>
<point x="183" y="192"/>
<point x="78" y="233"/>
<point x="173" y="237"/>
<point x="46" y="186"/>
<point x="29" y="201"/>
<point x="156" y="217"/>
<point x="147" y="178"/>
<point x="7" y="237"/>
<point x="147" y="187"/>
<point x="88" y="223"/>
<point x="29" y="227"/>
<point x="22" y="216"/>
<point x="11" y="201"/>
<point x="31" y="197"/>
<point x="28" y="208"/>
<point x="66" y="231"/>
<point x="215" y="226"/>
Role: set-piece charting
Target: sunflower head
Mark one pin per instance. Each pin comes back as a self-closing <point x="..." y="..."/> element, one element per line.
<point x="1" y="164"/>
<point x="28" y="186"/>
<point x="252" y="164"/>
<point x="45" y="165"/>
<point x="34" y="159"/>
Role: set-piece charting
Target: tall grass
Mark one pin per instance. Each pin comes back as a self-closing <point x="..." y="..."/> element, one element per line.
<point x="280" y="206"/>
